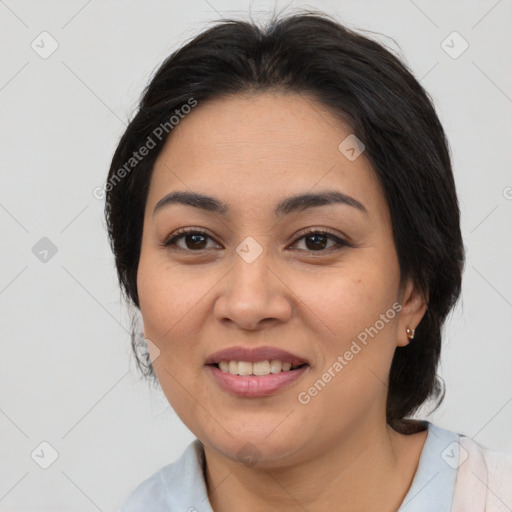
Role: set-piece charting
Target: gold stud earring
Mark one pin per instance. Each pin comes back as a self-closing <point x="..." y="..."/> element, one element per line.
<point x="410" y="333"/>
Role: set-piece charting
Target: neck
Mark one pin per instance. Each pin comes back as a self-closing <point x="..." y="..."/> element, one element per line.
<point x="371" y="469"/>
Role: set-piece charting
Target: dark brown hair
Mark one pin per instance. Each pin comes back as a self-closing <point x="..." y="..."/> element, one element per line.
<point x="386" y="107"/>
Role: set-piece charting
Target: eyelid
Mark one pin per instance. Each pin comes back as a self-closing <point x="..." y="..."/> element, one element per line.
<point x="191" y="230"/>
<point x="322" y="231"/>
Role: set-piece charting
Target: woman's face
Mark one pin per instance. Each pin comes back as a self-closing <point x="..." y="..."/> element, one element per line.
<point x="254" y="278"/>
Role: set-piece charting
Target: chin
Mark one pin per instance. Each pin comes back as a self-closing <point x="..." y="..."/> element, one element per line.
<point x="259" y="449"/>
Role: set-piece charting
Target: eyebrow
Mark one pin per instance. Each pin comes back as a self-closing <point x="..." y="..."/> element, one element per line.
<point x="297" y="203"/>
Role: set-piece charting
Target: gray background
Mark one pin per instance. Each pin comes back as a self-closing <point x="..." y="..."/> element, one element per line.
<point x="67" y="376"/>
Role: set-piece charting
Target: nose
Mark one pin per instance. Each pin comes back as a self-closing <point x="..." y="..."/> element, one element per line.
<point x="254" y="295"/>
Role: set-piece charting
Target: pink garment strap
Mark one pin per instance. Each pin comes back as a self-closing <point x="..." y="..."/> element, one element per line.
<point x="472" y="478"/>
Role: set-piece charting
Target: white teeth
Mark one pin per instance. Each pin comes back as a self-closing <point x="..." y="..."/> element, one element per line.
<point x="259" y="368"/>
<point x="244" y="368"/>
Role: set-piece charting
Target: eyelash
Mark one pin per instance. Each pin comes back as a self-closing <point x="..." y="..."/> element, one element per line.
<point x="193" y="231"/>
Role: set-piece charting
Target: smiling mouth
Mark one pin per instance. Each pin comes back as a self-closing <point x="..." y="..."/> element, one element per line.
<point x="257" y="379"/>
<point x="258" y="368"/>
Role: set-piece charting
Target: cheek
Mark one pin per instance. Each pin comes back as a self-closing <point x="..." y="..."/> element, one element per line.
<point x="167" y="297"/>
<point x="346" y="300"/>
<point x="356" y="315"/>
<point x="170" y="304"/>
<point x="356" y="354"/>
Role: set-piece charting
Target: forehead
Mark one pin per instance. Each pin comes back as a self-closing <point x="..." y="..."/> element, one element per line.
<point x="257" y="147"/>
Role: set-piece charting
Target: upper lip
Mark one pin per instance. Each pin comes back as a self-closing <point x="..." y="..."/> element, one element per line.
<point x="254" y="355"/>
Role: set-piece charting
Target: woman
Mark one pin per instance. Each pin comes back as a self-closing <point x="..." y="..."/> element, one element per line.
<point x="294" y="248"/>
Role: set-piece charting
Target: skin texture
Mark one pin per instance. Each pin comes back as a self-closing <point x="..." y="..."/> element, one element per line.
<point x="336" y="452"/>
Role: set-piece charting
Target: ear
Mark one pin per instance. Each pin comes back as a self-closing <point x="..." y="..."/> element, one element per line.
<point x="413" y="309"/>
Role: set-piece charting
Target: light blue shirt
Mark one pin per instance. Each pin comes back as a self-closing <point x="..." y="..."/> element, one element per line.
<point x="180" y="486"/>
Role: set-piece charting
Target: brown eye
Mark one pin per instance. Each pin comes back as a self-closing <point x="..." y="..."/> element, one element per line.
<point x="195" y="241"/>
<point x="189" y="240"/>
<point x="317" y="241"/>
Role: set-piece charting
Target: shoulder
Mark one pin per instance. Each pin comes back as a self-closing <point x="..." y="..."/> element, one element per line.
<point x="499" y="471"/>
<point x="498" y="462"/>
<point x="149" y="493"/>
<point x="173" y="486"/>
<point x="485" y="474"/>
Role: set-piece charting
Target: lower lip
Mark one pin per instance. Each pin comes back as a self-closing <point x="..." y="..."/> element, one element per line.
<point x="254" y="386"/>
